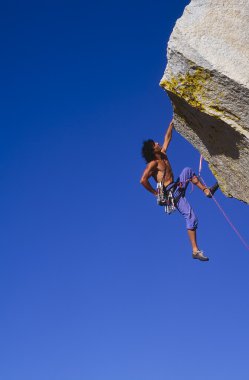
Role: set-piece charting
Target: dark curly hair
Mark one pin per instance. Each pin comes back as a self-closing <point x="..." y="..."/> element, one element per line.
<point x="148" y="150"/>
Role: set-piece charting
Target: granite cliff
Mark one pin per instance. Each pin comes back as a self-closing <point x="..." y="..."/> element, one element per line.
<point x="207" y="80"/>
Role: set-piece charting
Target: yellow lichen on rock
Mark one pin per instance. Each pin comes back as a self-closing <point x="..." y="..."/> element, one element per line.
<point x="191" y="86"/>
<point x="194" y="88"/>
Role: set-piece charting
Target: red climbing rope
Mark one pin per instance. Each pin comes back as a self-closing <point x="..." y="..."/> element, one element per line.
<point x="222" y="211"/>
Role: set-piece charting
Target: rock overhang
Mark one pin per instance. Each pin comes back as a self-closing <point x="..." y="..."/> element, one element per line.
<point x="211" y="104"/>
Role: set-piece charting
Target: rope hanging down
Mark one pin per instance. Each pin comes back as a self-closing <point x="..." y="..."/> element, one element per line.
<point x="222" y="211"/>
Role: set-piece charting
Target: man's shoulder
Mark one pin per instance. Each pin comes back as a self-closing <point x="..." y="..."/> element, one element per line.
<point x="152" y="164"/>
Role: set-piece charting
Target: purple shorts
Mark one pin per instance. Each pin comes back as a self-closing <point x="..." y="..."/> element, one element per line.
<point x="182" y="205"/>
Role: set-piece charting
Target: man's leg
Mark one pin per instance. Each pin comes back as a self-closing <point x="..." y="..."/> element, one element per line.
<point x="195" y="180"/>
<point x="208" y="191"/>
<point x="187" y="175"/>
<point x="191" y="223"/>
<point x="192" y="237"/>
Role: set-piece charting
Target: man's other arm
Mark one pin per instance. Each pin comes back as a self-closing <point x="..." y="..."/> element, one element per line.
<point x="167" y="137"/>
<point x="150" y="168"/>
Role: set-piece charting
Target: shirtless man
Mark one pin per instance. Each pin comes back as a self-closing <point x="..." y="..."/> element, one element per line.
<point x="158" y="167"/>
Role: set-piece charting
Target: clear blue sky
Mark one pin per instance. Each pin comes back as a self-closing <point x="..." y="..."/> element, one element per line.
<point x="97" y="283"/>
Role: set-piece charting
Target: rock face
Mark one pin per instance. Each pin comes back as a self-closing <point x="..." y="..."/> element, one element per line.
<point x="207" y="80"/>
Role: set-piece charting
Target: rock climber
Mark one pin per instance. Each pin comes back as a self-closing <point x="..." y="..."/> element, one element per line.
<point x="159" y="168"/>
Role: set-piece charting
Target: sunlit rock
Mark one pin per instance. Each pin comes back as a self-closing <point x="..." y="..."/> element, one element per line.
<point x="207" y="79"/>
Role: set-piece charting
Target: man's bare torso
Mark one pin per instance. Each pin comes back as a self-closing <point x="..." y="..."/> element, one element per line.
<point x="163" y="171"/>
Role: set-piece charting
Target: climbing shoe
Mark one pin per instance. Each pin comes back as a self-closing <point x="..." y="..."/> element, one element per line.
<point x="212" y="190"/>
<point x="199" y="256"/>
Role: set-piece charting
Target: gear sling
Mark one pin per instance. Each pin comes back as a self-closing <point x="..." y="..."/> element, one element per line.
<point x="165" y="196"/>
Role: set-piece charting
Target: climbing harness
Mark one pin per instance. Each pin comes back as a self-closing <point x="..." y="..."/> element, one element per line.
<point x="165" y="197"/>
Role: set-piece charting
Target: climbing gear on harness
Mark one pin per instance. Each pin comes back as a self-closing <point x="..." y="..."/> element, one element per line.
<point x="161" y="198"/>
<point x="170" y="207"/>
<point x="199" y="255"/>
<point x="165" y="196"/>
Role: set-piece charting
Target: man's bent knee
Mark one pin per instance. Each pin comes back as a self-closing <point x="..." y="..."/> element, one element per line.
<point x="192" y="224"/>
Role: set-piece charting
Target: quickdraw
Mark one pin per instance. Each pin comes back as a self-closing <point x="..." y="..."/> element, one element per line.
<point x="165" y="197"/>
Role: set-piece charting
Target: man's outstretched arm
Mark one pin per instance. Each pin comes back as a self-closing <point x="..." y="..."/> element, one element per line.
<point x="167" y="137"/>
<point x="150" y="168"/>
